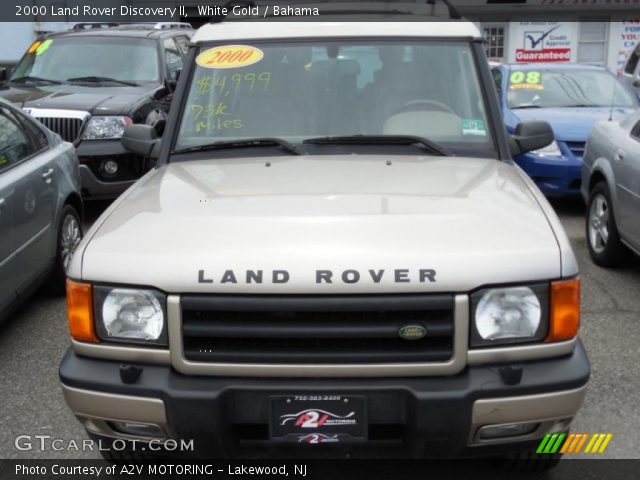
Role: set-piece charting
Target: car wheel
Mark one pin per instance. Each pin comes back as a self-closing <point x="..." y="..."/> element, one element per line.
<point x="69" y="236"/>
<point x="603" y="239"/>
<point x="530" y="461"/>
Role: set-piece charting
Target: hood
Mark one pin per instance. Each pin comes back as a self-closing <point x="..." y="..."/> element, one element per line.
<point x="96" y="100"/>
<point x="569" y="124"/>
<point x="419" y="224"/>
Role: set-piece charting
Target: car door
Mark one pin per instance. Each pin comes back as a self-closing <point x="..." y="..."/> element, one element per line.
<point x="33" y="196"/>
<point x="7" y="245"/>
<point x="626" y="164"/>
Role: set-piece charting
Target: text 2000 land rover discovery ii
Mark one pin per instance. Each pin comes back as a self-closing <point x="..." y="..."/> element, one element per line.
<point x="335" y="248"/>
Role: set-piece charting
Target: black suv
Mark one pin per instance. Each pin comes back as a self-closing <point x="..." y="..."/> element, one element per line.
<point x="89" y="83"/>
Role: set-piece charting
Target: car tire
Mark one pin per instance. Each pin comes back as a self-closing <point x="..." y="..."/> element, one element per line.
<point x="530" y="461"/>
<point x="68" y="237"/>
<point x="603" y="240"/>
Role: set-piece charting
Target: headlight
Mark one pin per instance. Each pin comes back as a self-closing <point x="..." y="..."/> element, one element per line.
<point x="510" y="315"/>
<point x="104" y="128"/>
<point x="130" y="315"/>
<point x="551" y="150"/>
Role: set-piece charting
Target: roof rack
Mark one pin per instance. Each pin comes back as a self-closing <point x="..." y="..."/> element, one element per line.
<point x="172" y="25"/>
<point x="92" y="25"/>
<point x="352" y="7"/>
<point x="142" y="25"/>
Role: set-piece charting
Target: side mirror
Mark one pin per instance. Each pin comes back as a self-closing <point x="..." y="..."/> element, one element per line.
<point x="636" y="83"/>
<point x="531" y="136"/>
<point x="142" y="140"/>
<point x="4" y="76"/>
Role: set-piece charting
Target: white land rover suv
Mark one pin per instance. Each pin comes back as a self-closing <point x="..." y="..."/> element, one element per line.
<point x="335" y="249"/>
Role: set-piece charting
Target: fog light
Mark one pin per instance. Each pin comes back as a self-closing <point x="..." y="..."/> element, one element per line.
<point x="137" y="429"/>
<point x="510" y="430"/>
<point x="109" y="167"/>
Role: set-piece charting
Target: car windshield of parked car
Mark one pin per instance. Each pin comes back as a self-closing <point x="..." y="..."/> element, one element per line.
<point x="566" y="88"/>
<point x="59" y="59"/>
<point x="307" y="91"/>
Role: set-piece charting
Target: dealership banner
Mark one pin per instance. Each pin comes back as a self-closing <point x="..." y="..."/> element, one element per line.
<point x="629" y="38"/>
<point x="543" y="42"/>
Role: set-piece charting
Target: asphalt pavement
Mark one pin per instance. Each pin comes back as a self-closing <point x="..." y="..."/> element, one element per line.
<point x="34" y="339"/>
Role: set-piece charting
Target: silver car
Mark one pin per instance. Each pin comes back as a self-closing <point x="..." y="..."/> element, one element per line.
<point x="611" y="188"/>
<point x="40" y="207"/>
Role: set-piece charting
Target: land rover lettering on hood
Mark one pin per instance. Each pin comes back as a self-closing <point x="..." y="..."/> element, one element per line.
<point x="334" y="240"/>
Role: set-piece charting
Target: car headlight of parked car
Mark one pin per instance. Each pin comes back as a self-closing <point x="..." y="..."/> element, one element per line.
<point x="106" y="127"/>
<point x="510" y="315"/>
<point x="551" y="150"/>
<point x="130" y="315"/>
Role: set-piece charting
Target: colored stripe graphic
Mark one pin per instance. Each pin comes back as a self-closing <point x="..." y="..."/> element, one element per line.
<point x="573" y="443"/>
<point x="551" y="443"/>
<point x="543" y="443"/>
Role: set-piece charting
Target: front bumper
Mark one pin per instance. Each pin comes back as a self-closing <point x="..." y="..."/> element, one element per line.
<point x="97" y="185"/>
<point x="555" y="176"/>
<point x="408" y="417"/>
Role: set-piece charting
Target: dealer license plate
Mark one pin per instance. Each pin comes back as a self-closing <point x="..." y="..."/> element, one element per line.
<point x="318" y="419"/>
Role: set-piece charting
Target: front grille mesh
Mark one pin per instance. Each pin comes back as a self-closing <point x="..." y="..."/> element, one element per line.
<point x="577" y="148"/>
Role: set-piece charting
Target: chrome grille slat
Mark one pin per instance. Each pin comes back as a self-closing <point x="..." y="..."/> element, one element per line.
<point x="66" y="123"/>
<point x="67" y="128"/>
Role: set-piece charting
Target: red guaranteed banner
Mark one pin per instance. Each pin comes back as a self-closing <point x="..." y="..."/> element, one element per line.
<point x="545" y="55"/>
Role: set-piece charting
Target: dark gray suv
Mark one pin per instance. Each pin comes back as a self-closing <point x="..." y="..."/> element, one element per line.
<point x="40" y="207"/>
<point x="89" y="83"/>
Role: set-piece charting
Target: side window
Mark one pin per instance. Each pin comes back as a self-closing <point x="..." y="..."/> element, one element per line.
<point x="15" y="144"/>
<point x="632" y="63"/>
<point x="173" y="59"/>
<point x="183" y="44"/>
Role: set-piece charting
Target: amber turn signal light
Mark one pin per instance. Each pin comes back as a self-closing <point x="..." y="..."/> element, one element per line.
<point x="565" y="310"/>
<point x="80" y="312"/>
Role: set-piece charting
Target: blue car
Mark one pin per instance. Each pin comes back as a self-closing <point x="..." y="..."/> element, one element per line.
<point x="571" y="98"/>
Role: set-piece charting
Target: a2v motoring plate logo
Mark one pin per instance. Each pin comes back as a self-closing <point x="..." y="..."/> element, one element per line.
<point x="316" y="438"/>
<point x="312" y="418"/>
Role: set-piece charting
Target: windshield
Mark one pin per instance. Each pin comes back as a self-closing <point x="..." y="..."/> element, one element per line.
<point x="566" y="88"/>
<point x="303" y="91"/>
<point x="63" y="58"/>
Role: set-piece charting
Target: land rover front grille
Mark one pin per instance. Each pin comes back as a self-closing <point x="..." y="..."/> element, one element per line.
<point x="317" y="329"/>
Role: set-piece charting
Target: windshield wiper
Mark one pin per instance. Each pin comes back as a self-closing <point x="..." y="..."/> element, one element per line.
<point x="381" y="140"/>
<point x="523" y="107"/>
<point x="101" y="79"/>
<point x="244" y="143"/>
<point x="29" y="78"/>
<point x="584" y="105"/>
